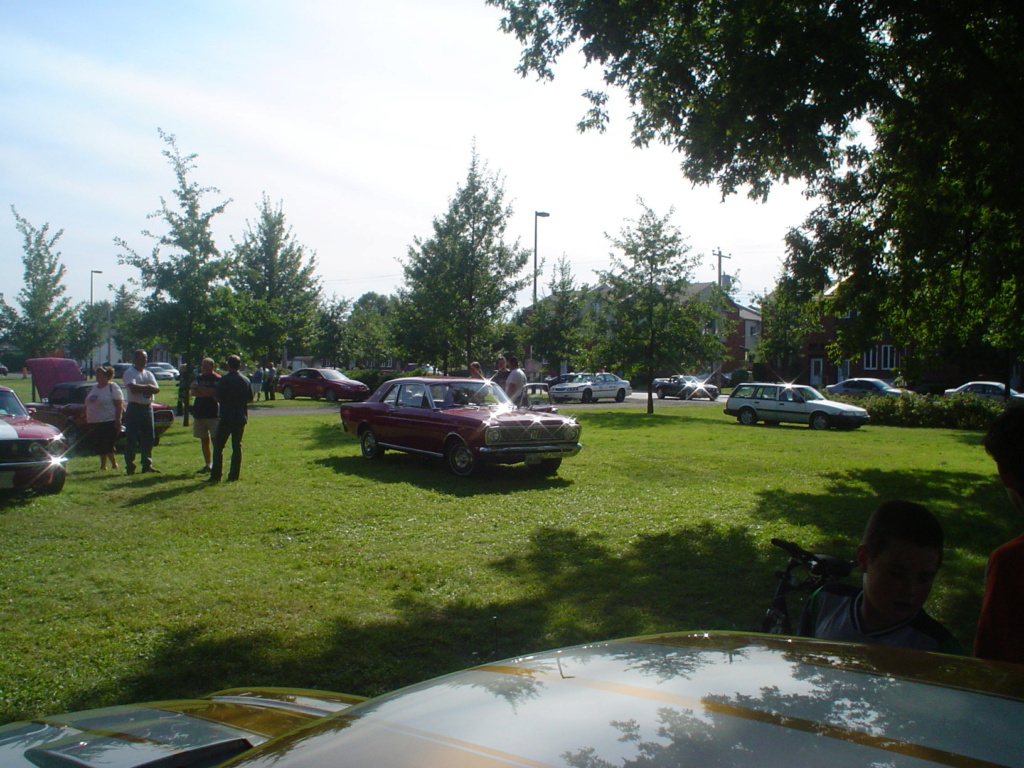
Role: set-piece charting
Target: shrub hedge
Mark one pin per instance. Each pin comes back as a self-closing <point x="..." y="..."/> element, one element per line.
<point x="959" y="412"/>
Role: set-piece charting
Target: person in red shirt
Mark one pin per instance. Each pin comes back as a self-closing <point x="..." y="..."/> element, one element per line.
<point x="1001" y="625"/>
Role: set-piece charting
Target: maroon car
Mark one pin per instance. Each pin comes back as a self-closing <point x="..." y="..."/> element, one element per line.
<point x="327" y="383"/>
<point x="31" y="452"/>
<point x="464" y="421"/>
<point x="64" y="408"/>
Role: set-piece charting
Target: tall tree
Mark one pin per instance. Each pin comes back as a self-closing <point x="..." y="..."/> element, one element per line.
<point x="786" y="319"/>
<point x="330" y="342"/>
<point x="463" y="279"/>
<point x="189" y="305"/>
<point x="891" y="112"/>
<point x="86" y="330"/>
<point x="557" y="321"/>
<point x="276" y="284"/>
<point x="649" y="319"/>
<point x="126" y="323"/>
<point x="370" y="337"/>
<point x="43" y="326"/>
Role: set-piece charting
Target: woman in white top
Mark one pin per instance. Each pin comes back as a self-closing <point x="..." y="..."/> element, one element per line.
<point x="104" y="406"/>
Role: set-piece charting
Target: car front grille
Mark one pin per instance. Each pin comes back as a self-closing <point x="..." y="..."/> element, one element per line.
<point x="537" y="432"/>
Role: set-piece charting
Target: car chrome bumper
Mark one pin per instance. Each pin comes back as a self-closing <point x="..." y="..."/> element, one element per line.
<point x="520" y="452"/>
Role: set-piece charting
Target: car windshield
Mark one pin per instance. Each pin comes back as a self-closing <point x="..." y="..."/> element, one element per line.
<point x="809" y="393"/>
<point x="577" y="377"/>
<point x="481" y="393"/>
<point x="333" y="375"/>
<point x="10" y="405"/>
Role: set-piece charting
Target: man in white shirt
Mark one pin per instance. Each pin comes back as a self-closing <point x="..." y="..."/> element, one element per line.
<point x="516" y="381"/>
<point x="140" y="387"/>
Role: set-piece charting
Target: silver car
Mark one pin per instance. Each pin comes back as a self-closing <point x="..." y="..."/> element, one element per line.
<point x="795" y="403"/>
<point x="588" y="387"/>
<point x="993" y="390"/>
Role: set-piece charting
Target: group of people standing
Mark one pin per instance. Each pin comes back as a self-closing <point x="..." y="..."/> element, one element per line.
<point x="508" y="375"/>
<point x="220" y="412"/>
<point x="264" y="381"/>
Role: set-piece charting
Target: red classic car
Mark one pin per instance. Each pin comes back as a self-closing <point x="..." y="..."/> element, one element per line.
<point x="465" y="421"/>
<point x="327" y="383"/>
<point x="64" y="408"/>
<point x="31" y="453"/>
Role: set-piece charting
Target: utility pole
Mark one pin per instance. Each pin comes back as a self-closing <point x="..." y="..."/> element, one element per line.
<point x="718" y="368"/>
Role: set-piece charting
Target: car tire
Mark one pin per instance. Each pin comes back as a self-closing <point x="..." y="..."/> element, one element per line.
<point x="587" y="396"/>
<point x="74" y="437"/>
<point x="747" y="417"/>
<point x="819" y="420"/>
<point x="620" y="396"/>
<point x="661" y="393"/>
<point x="546" y="467"/>
<point x="369" y="446"/>
<point x="288" y="393"/>
<point x="60" y="476"/>
<point x="332" y="396"/>
<point x="459" y="458"/>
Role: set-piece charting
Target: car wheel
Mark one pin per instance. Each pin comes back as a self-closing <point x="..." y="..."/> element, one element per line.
<point x="73" y="435"/>
<point x="661" y="393"/>
<point x="60" y="476"/>
<point x="369" y="446"/>
<point x="748" y="417"/>
<point x="819" y="420"/>
<point x="588" y="396"/>
<point x="459" y="458"/>
<point x="546" y="467"/>
<point x="288" y="393"/>
<point x="332" y="396"/>
<point x="620" y="396"/>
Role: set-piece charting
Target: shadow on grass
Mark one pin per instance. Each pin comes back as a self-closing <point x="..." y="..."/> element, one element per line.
<point x="428" y="472"/>
<point x="571" y="587"/>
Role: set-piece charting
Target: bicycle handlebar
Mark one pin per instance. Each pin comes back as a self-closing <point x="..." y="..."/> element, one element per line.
<point x="818" y="564"/>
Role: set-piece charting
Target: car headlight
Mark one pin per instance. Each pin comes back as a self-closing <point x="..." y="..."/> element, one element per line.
<point x="493" y="435"/>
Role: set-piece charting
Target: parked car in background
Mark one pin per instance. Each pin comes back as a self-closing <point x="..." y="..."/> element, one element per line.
<point x="167" y="366"/>
<point x="863" y="387"/>
<point x="676" y="699"/>
<point x="558" y="379"/>
<point x="466" y="422"/>
<point x="589" y="387"/>
<point x="160" y="372"/>
<point x="119" y="369"/>
<point x="794" y="403"/>
<point x="64" y="408"/>
<point x="321" y="383"/>
<point x="31" y="452"/>
<point x="685" y="387"/>
<point x="993" y="390"/>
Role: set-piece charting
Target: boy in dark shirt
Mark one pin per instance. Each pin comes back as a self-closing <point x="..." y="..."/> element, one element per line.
<point x="899" y="557"/>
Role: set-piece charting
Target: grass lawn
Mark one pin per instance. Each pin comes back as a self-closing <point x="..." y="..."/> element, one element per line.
<point x="323" y="570"/>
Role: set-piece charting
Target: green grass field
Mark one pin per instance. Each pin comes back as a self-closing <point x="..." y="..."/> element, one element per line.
<point x="323" y="570"/>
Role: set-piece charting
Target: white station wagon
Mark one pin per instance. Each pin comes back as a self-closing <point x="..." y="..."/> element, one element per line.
<point x="795" y="403"/>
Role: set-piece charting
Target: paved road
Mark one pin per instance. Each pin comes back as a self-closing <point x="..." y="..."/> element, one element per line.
<point x="637" y="399"/>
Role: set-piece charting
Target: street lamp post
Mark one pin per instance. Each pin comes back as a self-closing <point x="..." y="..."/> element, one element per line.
<point x="536" y="215"/>
<point x="91" y="273"/>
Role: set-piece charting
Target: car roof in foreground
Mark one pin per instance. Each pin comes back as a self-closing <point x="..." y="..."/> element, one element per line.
<point x="683" y="699"/>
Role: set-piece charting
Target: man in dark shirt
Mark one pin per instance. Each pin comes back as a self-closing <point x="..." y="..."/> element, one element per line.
<point x="233" y="393"/>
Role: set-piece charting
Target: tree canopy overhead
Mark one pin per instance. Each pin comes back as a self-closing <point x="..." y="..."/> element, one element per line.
<point x="903" y="118"/>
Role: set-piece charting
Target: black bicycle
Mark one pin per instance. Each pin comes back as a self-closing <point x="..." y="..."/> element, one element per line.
<point x="805" y="572"/>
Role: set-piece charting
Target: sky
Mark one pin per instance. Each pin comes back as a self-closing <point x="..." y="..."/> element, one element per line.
<point x="358" y="117"/>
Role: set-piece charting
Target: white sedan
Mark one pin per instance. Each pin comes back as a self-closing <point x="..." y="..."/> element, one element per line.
<point x="588" y="387"/>
<point x="993" y="390"/>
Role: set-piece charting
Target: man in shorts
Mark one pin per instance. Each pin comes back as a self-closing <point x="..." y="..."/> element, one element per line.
<point x="204" y="410"/>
